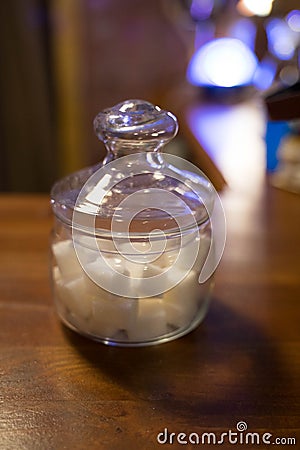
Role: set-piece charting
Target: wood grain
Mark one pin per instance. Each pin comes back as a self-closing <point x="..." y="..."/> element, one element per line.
<point x="61" y="391"/>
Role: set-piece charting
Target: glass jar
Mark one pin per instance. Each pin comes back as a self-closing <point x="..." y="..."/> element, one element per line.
<point x="132" y="254"/>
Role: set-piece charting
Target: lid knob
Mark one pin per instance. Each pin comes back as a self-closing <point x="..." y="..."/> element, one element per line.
<point x="134" y="126"/>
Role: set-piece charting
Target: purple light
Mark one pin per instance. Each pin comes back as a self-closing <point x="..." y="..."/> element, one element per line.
<point x="201" y="9"/>
<point x="245" y="31"/>
<point x="205" y="32"/>
<point x="293" y="20"/>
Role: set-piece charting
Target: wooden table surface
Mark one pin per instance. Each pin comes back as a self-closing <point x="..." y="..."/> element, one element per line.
<point x="62" y="391"/>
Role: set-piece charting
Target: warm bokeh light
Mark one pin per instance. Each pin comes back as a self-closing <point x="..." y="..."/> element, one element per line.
<point x="255" y="7"/>
<point x="289" y="75"/>
<point x="243" y="10"/>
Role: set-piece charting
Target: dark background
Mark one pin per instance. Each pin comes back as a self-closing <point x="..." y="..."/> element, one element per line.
<point x="64" y="61"/>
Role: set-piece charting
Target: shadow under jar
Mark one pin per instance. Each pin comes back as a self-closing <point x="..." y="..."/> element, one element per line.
<point x="132" y="235"/>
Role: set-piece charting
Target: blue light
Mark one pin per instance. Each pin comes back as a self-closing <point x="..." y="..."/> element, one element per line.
<point x="274" y="133"/>
<point x="281" y="39"/>
<point x="293" y="20"/>
<point x="265" y="74"/>
<point x="201" y="9"/>
<point x="205" y="32"/>
<point x="223" y="62"/>
<point x="245" y="31"/>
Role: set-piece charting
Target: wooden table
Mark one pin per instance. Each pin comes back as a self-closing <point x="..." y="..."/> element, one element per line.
<point x="62" y="391"/>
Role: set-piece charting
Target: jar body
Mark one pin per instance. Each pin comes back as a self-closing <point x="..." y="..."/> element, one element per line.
<point x="138" y="320"/>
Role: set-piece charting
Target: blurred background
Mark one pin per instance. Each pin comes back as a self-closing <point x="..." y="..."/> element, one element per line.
<point x="62" y="61"/>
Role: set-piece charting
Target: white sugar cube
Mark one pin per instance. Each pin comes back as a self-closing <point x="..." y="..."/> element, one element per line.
<point x="67" y="259"/>
<point x="134" y="272"/>
<point x="187" y="259"/>
<point x="165" y="260"/>
<point x="181" y="302"/>
<point x="56" y="275"/>
<point x="111" y="276"/>
<point x="178" y="313"/>
<point x="135" y="269"/>
<point x="112" y="314"/>
<point x="154" y="281"/>
<point x="151" y="320"/>
<point x="100" y="273"/>
<point x="73" y="294"/>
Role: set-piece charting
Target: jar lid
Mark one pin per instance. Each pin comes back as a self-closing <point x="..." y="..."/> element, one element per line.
<point x="136" y="188"/>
